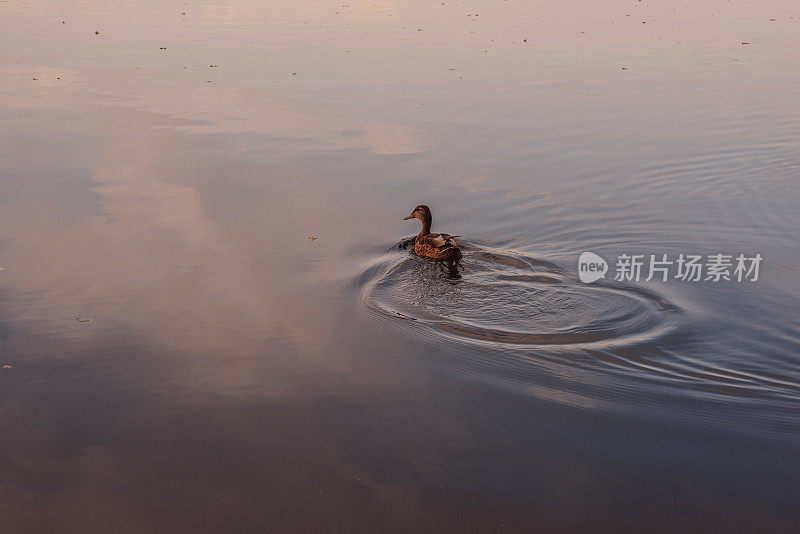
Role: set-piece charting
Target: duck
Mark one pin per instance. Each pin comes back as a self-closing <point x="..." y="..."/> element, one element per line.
<point x="434" y="246"/>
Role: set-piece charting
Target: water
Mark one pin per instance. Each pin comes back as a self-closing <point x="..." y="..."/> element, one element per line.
<point x="178" y="355"/>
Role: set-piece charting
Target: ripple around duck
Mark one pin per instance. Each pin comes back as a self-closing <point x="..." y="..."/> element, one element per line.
<point x="509" y="299"/>
<point x="539" y="331"/>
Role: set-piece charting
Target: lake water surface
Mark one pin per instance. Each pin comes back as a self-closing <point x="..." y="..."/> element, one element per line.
<point x="178" y="355"/>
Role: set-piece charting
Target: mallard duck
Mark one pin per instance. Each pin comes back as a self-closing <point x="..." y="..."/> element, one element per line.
<point x="434" y="246"/>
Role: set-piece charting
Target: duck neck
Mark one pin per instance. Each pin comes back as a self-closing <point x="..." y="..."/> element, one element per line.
<point x="426" y="224"/>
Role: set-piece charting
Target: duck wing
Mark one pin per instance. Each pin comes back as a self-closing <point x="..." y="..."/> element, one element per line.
<point x="438" y="240"/>
<point x="438" y="247"/>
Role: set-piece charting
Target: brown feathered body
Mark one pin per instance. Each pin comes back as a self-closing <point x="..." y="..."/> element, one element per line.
<point x="434" y="246"/>
<point x="437" y="247"/>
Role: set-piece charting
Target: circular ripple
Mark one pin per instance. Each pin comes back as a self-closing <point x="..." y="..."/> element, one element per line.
<point x="508" y="298"/>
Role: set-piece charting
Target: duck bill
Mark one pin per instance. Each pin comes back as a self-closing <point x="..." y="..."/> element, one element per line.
<point x="408" y="217"/>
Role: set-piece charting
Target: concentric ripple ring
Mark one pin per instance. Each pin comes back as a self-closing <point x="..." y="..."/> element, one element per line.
<point x="504" y="297"/>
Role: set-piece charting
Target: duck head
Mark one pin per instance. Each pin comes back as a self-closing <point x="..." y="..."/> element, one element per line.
<point x="423" y="213"/>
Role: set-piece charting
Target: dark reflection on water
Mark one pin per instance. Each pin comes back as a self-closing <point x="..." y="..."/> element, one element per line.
<point x="177" y="355"/>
